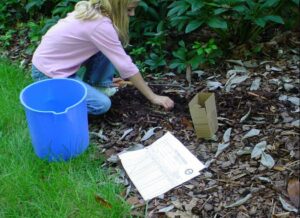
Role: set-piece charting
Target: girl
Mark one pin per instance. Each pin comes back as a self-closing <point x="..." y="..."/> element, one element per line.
<point x="93" y="35"/>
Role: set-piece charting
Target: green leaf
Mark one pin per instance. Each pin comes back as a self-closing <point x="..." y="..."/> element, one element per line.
<point x="220" y="11"/>
<point x="261" y="22"/>
<point x="174" y="4"/>
<point x="179" y="22"/>
<point x="208" y="50"/>
<point x="181" y="25"/>
<point x="270" y="3"/>
<point x="143" y="5"/>
<point x="174" y="65"/>
<point x="153" y="56"/>
<point x="196" y="4"/>
<point x="33" y="3"/>
<point x="180" y="54"/>
<point x="240" y="8"/>
<point x="275" y="19"/>
<point x="193" y="25"/>
<point x="154" y="14"/>
<point x="200" y="51"/>
<point x="179" y="8"/>
<point x="160" y="26"/>
<point x="182" y="43"/>
<point x="216" y="22"/>
<point x="161" y="62"/>
<point x="195" y="61"/>
<point x="214" y="47"/>
<point x="251" y="3"/>
<point x="297" y="2"/>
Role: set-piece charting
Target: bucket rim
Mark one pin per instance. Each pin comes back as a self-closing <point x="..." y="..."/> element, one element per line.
<point x="53" y="112"/>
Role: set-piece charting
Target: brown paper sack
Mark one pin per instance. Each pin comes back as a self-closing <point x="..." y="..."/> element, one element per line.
<point x="204" y="114"/>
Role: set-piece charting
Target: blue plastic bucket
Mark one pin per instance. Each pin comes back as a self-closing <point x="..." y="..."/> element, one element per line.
<point x="56" y="113"/>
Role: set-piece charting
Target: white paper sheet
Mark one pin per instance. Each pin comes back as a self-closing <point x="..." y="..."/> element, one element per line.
<point x="161" y="166"/>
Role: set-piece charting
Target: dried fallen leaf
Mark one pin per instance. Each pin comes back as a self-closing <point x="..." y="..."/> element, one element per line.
<point x="279" y="168"/>
<point x="245" y="116"/>
<point x="258" y="149"/>
<point x="213" y="85"/>
<point x="188" y="124"/>
<point x="281" y="215"/>
<point x="288" y="87"/>
<point x="100" y="135"/>
<point x="209" y="162"/>
<point x="287" y="206"/>
<point x="149" y="133"/>
<point x="177" y="91"/>
<point x="289" y="132"/>
<point x="296" y="123"/>
<point x="166" y="209"/>
<point x="292" y="99"/>
<point x="276" y="69"/>
<point x="126" y="132"/>
<point x="239" y="62"/>
<point x="103" y="202"/>
<point x="199" y="73"/>
<point x="255" y="84"/>
<point x="240" y="201"/>
<point x="113" y="159"/>
<point x="267" y="160"/>
<point x="286" y="79"/>
<point x="293" y="190"/>
<point x="251" y="133"/>
<point x="244" y="151"/>
<point x="226" y="136"/>
<point x="234" y="80"/>
<point x="264" y="179"/>
<point x="221" y="148"/>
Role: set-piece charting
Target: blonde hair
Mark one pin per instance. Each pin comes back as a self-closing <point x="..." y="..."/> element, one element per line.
<point x="116" y="10"/>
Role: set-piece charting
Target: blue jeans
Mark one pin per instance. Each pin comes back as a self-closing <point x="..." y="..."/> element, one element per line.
<point x="99" y="72"/>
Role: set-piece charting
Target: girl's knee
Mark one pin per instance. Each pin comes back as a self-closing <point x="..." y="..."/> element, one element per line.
<point x="107" y="105"/>
<point x="99" y="107"/>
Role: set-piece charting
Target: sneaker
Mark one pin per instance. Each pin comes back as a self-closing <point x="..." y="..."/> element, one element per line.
<point x="109" y="91"/>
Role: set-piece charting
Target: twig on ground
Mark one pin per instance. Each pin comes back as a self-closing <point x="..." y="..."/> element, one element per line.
<point x="167" y="85"/>
<point x="205" y="202"/>
<point x="274" y="207"/>
<point x="256" y="95"/>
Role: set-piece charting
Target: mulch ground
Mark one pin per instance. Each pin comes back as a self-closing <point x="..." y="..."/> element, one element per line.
<point x="233" y="177"/>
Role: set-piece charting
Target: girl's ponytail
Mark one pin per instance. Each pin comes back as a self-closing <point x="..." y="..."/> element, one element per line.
<point x="92" y="9"/>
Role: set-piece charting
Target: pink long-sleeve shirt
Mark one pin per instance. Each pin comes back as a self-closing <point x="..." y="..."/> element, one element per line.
<point x="71" y="41"/>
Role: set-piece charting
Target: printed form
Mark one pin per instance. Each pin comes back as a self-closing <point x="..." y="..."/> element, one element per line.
<point x="161" y="166"/>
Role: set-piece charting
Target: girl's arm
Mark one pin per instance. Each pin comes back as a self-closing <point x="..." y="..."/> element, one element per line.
<point x="138" y="81"/>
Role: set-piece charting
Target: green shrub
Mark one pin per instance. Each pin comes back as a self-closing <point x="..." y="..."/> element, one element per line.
<point x="195" y="55"/>
<point x="160" y="24"/>
<point x="233" y="20"/>
<point x="11" y="11"/>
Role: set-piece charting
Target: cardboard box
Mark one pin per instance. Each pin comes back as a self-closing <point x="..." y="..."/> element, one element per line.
<point x="204" y="114"/>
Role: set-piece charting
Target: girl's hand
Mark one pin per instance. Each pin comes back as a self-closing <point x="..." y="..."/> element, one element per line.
<point x="138" y="81"/>
<point x="164" y="101"/>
